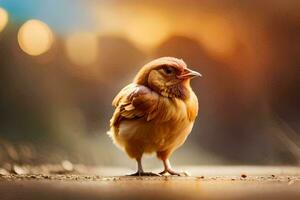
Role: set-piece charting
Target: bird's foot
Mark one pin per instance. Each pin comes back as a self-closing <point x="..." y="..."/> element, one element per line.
<point x="171" y="172"/>
<point x="144" y="174"/>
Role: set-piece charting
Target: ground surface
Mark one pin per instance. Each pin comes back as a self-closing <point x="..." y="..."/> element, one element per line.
<point x="79" y="182"/>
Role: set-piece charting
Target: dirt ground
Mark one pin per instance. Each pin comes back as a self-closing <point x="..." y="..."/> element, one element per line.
<point x="79" y="182"/>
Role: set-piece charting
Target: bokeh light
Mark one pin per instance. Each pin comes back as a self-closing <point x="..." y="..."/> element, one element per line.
<point x="3" y="18"/>
<point x="35" y="37"/>
<point x="82" y="48"/>
<point x="146" y="31"/>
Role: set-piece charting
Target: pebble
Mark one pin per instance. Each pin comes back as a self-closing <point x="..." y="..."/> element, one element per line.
<point x="20" y="170"/>
<point x="67" y="165"/>
<point x="3" y="172"/>
<point x="243" y="175"/>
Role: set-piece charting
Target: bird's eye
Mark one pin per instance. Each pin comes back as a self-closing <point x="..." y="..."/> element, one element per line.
<point x="168" y="70"/>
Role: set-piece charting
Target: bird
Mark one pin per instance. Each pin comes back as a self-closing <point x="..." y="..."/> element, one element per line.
<point x="155" y="113"/>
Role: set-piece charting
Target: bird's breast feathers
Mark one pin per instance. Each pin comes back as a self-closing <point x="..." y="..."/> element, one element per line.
<point x="142" y="114"/>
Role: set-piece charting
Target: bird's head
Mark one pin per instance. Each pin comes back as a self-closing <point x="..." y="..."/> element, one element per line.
<point x="168" y="76"/>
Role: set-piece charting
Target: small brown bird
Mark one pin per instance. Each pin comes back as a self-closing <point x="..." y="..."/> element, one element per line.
<point x="156" y="112"/>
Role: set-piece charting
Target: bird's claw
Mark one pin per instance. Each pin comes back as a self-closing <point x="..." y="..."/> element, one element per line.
<point x="144" y="174"/>
<point x="171" y="172"/>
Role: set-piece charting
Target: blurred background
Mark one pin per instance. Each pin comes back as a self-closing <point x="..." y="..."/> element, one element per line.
<point x="63" y="61"/>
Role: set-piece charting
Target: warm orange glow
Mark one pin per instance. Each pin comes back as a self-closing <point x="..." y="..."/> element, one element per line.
<point x="146" y="27"/>
<point x="215" y="33"/>
<point x="35" y="37"/>
<point x="82" y="48"/>
<point x="3" y="18"/>
<point x="147" y="30"/>
<point x="217" y="36"/>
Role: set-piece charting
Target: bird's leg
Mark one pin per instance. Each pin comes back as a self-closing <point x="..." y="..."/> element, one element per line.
<point x="168" y="169"/>
<point x="140" y="168"/>
<point x="141" y="172"/>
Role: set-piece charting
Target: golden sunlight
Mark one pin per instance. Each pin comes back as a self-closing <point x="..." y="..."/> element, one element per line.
<point x="82" y="48"/>
<point x="145" y="26"/>
<point x="35" y="37"/>
<point x="148" y="30"/>
<point x="3" y="18"/>
<point x="217" y="36"/>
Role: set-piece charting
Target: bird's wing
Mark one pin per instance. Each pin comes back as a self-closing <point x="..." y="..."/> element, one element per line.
<point x="135" y="101"/>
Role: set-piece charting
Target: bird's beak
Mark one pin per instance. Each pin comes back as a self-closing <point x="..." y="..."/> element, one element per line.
<point x="188" y="73"/>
